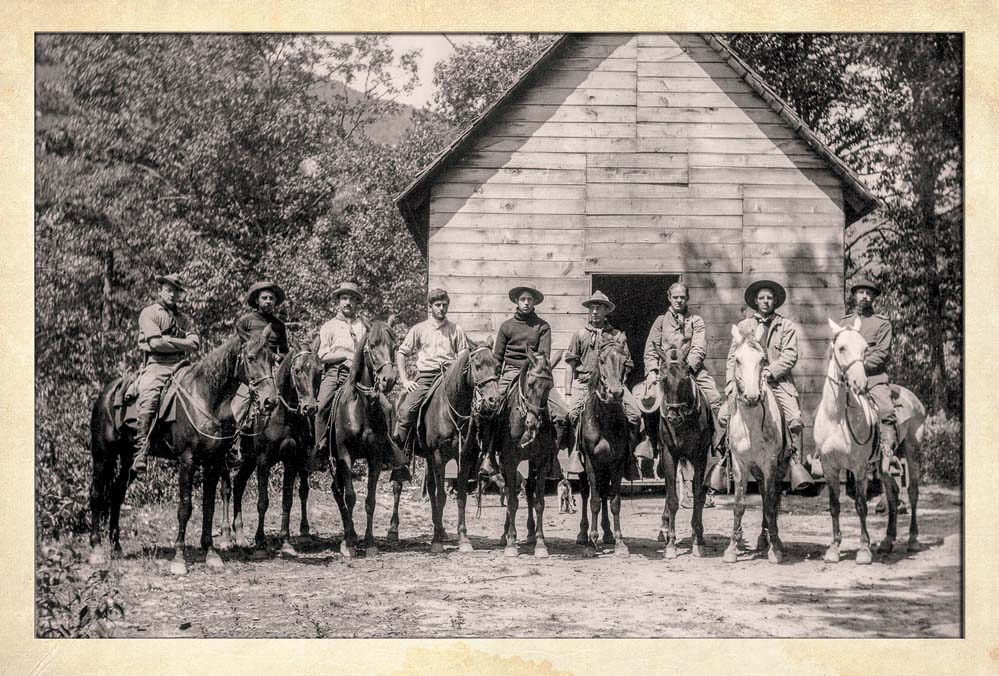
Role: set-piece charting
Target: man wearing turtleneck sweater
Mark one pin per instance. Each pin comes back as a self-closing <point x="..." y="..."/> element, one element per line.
<point x="780" y="340"/>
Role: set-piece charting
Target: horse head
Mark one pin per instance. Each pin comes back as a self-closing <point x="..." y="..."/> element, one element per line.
<point x="612" y="362"/>
<point x="306" y="372"/>
<point x="750" y="359"/>
<point x="256" y="360"/>
<point x="483" y="369"/>
<point x="847" y="353"/>
<point x="677" y="395"/>
<point x="536" y="382"/>
<point x="379" y="356"/>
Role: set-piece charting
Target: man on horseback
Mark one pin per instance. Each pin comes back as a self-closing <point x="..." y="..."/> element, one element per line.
<point x="780" y="340"/>
<point x="876" y="330"/>
<point x="338" y="340"/>
<point x="436" y="342"/>
<point x="581" y="356"/>
<point x="166" y="335"/>
<point x="678" y="328"/>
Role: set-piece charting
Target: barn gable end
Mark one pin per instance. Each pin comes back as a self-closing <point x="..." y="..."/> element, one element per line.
<point x="639" y="154"/>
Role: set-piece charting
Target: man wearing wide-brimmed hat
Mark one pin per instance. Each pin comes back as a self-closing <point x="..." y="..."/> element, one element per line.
<point x="877" y="331"/>
<point x="581" y="357"/>
<point x="166" y="335"/>
<point x="338" y="340"/>
<point x="778" y="336"/>
<point x="436" y="343"/>
<point x="263" y="298"/>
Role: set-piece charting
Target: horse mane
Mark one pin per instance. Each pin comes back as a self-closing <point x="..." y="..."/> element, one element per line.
<point x="378" y="333"/>
<point x="281" y="377"/>
<point x="453" y="373"/>
<point x="216" y="366"/>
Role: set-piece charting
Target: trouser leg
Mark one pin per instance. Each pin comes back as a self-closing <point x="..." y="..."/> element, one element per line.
<point x="154" y="378"/>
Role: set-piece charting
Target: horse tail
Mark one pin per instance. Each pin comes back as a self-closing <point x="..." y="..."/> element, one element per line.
<point x="105" y="450"/>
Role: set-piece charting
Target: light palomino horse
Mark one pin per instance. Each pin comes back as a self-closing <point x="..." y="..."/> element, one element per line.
<point x="757" y="444"/>
<point x="846" y="438"/>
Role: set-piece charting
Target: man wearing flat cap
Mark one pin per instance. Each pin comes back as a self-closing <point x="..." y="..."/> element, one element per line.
<point x="581" y="356"/>
<point x="876" y="330"/>
<point x="436" y="343"/>
<point x="779" y="339"/>
<point x="338" y="340"/>
<point x="166" y="336"/>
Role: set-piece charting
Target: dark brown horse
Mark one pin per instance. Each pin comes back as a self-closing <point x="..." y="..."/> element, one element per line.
<point x="284" y="437"/>
<point x="685" y="433"/>
<point x="361" y="423"/>
<point x="469" y="389"/>
<point x="201" y="434"/>
<point x="526" y="433"/>
<point x="603" y="442"/>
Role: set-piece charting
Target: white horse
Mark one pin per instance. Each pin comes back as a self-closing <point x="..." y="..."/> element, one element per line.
<point x="757" y="444"/>
<point x="846" y="438"/>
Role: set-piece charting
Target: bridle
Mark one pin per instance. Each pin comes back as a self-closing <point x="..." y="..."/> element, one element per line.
<point x="294" y="381"/>
<point x="524" y="405"/>
<point x="739" y="386"/>
<point x="679" y="410"/>
<point x="843" y="368"/>
<point x="375" y="369"/>
<point x="600" y="385"/>
<point x="460" y="420"/>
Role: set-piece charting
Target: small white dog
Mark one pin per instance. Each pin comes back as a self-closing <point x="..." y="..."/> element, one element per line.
<point x="566" y="502"/>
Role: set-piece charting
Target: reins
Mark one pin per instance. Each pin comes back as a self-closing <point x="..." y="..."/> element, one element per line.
<point x="846" y="392"/>
<point x="294" y="382"/>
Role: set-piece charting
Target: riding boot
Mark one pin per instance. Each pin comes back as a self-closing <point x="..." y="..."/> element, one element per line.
<point x="142" y="424"/>
<point x="888" y="436"/>
<point x="800" y="478"/>
<point x="632" y="470"/>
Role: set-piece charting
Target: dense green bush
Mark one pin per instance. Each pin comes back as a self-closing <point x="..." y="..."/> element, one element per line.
<point x="72" y="604"/>
<point x="942" y="450"/>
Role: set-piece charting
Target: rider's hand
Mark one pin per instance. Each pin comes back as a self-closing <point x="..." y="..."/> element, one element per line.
<point x="767" y="375"/>
<point x="409" y="385"/>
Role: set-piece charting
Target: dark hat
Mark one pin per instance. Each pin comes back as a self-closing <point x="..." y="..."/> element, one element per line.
<point x="517" y="290"/>
<point x="598" y="298"/>
<point x="172" y="279"/>
<point x="780" y="295"/>
<point x="251" y="295"/>
<point x="436" y="295"/>
<point x="865" y="283"/>
<point x="348" y="287"/>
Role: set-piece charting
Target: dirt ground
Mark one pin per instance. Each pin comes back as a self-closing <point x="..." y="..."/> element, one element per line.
<point x="405" y="591"/>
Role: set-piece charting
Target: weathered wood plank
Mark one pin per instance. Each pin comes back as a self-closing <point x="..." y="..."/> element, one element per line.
<point x="662" y="145"/>
<point x="563" y="129"/>
<point x="506" y="206"/>
<point x="671" y="40"/>
<point x="509" y="190"/>
<point x="764" y="175"/>
<point x="726" y="131"/>
<point x="579" y="96"/>
<point x="538" y="176"/>
<point x="499" y="303"/>
<point x="793" y="280"/>
<point x="714" y="70"/>
<point x="586" y="79"/>
<point x="768" y="265"/>
<point x="490" y="322"/>
<point x="791" y="146"/>
<point x="619" y="39"/>
<point x="441" y="236"/>
<point x="537" y="144"/>
<point x="680" y="54"/>
<point x="642" y="160"/>
<point x="648" y="96"/>
<point x="651" y="258"/>
<point x="769" y="160"/>
<point x="795" y="219"/>
<point x="636" y="235"/>
<point x="662" y="190"/>
<point x="709" y="115"/>
<point x="796" y="296"/>
<point x="590" y="49"/>
<point x="505" y="269"/>
<point x="694" y="85"/>
<point x="791" y="205"/>
<point x="794" y="234"/>
<point x="512" y="252"/>
<point x="680" y="207"/>
<point x="636" y="175"/>
<point x="595" y="63"/>
<point x="660" y="220"/>
<point x="507" y="221"/>
<point x="496" y="160"/>
<point x="807" y="191"/>
<point x="792" y="250"/>
<point x="589" y="114"/>
<point x="731" y="313"/>
<point x="477" y="285"/>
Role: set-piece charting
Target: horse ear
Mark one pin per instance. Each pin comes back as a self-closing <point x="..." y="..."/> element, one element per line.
<point x="660" y="353"/>
<point x="532" y="359"/>
<point x="836" y="328"/>
<point x="489" y="341"/>
<point x="856" y="323"/>
<point x="558" y="358"/>
<point x="736" y="335"/>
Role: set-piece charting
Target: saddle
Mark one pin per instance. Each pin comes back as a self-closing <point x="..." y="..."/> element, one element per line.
<point x="125" y="395"/>
<point x="415" y="430"/>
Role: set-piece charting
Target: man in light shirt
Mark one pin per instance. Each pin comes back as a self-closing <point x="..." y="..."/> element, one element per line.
<point x="338" y="341"/>
<point x="436" y="343"/>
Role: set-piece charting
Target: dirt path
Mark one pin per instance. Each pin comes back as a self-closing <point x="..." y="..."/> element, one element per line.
<point x="406" y="591"/>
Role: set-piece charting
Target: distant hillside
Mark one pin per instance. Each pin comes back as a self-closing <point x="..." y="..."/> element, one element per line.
<point x="389" y="130"/>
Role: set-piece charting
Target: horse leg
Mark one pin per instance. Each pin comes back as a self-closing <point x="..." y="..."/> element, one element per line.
<point x="735" y="541"/>
<point x="913" y="464"/>
<point x="541" y="478"/>
<point x="596" y="502"/>
<point x="890" y="489"/>
<point x="341" y="481"/>
<point x="438" y="497"/>
<point x="263" y="502"/>
<point x="620" y="548"/>
<point x="696" y="517"/>
<point x="185" y="476"/>
<point x="209" y="486"/>
<point x="583" y="537"/>
<point x="393" y="531"/>
<point x="860" y="502"/>
<point x="832" y="481"/>
<point x="303" y="497"/>
<point x="605" y="521"/>
<point x="771" y="511"/>
<point x="532" y="526"/>
<point x="102" y="477"/>
<point x="370" y="502"/>
<point x="239" y="486"/>
<point x="512" y="500"/>
<point x="287" y="498"/>
<point x="465" y="466"/>
<point x="667" y="527"/>
<point x="118" y="490"/>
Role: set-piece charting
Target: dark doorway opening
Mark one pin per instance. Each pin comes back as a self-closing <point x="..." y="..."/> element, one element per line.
<point x="638" y="300"/>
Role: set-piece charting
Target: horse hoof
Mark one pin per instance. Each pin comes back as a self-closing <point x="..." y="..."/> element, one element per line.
<point x="392" y="536"/>
<point x="510" y="552"/>
<point x="775" y="556"/>
<point x="730" y="556"/>
<point x="288" y="550"/>
<point x="864" y="556"/>
<point x="436" y="547"/>
<point x="698" y="551"/>
<point x="832" y="555"/>
<point x="465" y="547"/>
<point x="371" y="549"/>
<point x="259" y="553"/>
<point x="608" y="539"/>
<point x="670" y="552"/>
<point x="178" y="567"/>
<point x="346" y="550"/>
<point x="621" y="551"/>
<point x="762" y="543"/>
<point x="661" y="538"/>
<point x="540" y="552"/>
<point x="224" y="544"/>
<point x="97" y="557"/>
<point x="530" y="540"/>
<point x="581" y="539"/>
<point x="886" y="546"/>
<point x="213" y="560"/>
<point x="914" y="546"/>
<point x="242" y="542"/>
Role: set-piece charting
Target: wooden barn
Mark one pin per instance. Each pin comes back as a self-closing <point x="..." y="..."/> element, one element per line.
<point x="623" y="163"/>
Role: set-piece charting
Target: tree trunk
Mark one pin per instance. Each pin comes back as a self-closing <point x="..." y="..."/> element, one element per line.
<point x="929" y="243"/>
<point x="106" y="306"/>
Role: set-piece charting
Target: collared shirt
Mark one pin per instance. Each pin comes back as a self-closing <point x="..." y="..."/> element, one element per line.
<point x="157" y="320"/>
<point x="779" y="339"/>
<point x="876" y="329"/>
<point x="435" y="346"/>
<point x="684" y="331"/>
<point x="254" y="322"/>
<point x="340" y="338"/>
<point x="581" y="353"/>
